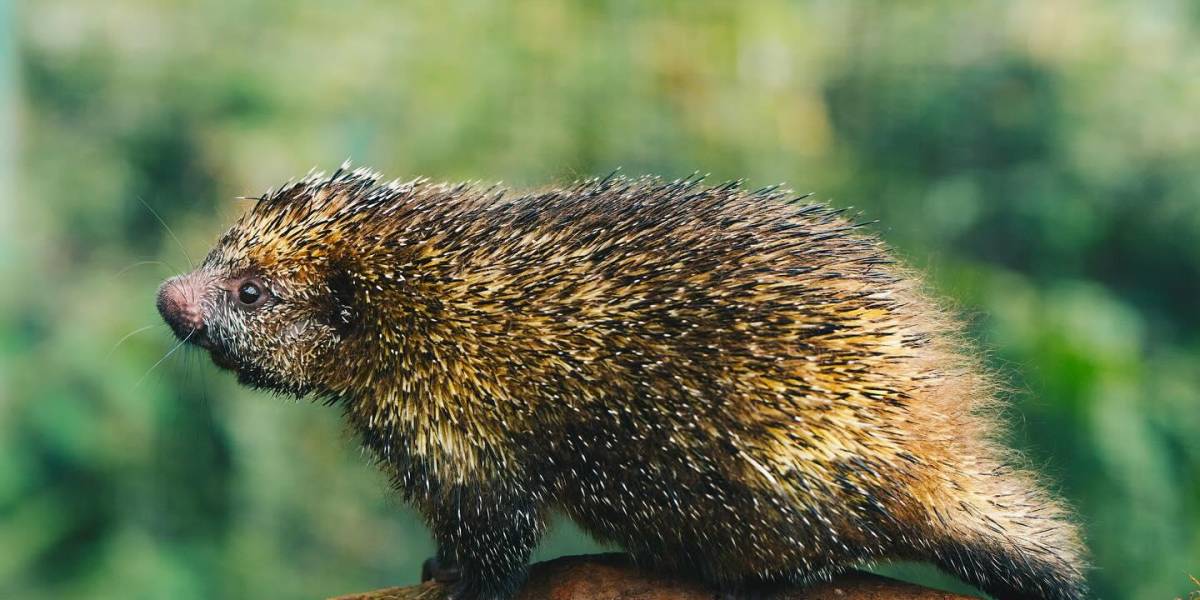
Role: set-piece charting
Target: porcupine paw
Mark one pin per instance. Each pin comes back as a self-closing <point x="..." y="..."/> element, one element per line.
<point x="467" y="588"/>
<point x="462" y="587"/>
<point x="440" y="571"/>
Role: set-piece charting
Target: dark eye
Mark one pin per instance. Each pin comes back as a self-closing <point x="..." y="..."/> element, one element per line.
<point x="251" y="292"/>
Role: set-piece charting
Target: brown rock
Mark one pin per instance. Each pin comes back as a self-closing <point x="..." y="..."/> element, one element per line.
<point x="612" y="577"/>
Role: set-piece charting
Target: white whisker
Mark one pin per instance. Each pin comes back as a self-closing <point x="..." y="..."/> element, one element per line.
<point x="191" y="265"/>
<point x="127" y="336"/>
<point x="165" y="357"/>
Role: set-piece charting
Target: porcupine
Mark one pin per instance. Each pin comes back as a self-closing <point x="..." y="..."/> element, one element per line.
<point x="730" y="385"/>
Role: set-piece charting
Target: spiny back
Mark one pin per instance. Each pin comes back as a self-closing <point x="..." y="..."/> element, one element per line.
<point x="750" y="304"/>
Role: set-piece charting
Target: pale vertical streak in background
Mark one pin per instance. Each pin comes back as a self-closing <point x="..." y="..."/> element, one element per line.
<point x="8" y="132"/>
<point x="8" y="157"/>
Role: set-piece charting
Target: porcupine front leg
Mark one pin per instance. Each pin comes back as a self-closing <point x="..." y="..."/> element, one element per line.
<point x="484" y="540"/>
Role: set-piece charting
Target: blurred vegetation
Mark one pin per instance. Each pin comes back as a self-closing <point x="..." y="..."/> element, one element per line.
<point x="1037" y="158"/>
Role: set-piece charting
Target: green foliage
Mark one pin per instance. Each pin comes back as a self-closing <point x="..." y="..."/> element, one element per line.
<point x="1037" y="159"/>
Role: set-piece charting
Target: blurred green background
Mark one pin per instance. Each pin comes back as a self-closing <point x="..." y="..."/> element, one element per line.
<point x="1038" y="159"/>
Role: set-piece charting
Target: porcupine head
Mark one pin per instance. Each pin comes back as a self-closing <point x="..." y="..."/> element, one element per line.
<point x="725" y="384"/>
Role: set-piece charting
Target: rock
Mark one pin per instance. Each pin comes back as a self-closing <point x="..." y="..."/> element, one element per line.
<point x="612" y="577"/>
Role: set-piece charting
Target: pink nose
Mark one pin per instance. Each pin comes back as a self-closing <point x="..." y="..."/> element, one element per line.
<point x="179" y="305"/>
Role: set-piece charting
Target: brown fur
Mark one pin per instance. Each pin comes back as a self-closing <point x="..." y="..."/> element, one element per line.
<point x="725" y="383"/>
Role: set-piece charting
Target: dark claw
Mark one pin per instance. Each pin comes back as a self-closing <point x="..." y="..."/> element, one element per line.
<point x="434" y="570"/>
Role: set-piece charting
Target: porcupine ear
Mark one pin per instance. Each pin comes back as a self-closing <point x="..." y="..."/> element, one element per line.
<point x="343" y="315"/>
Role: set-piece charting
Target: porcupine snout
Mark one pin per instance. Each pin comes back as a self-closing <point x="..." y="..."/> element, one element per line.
<point x="180" y="306"/>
